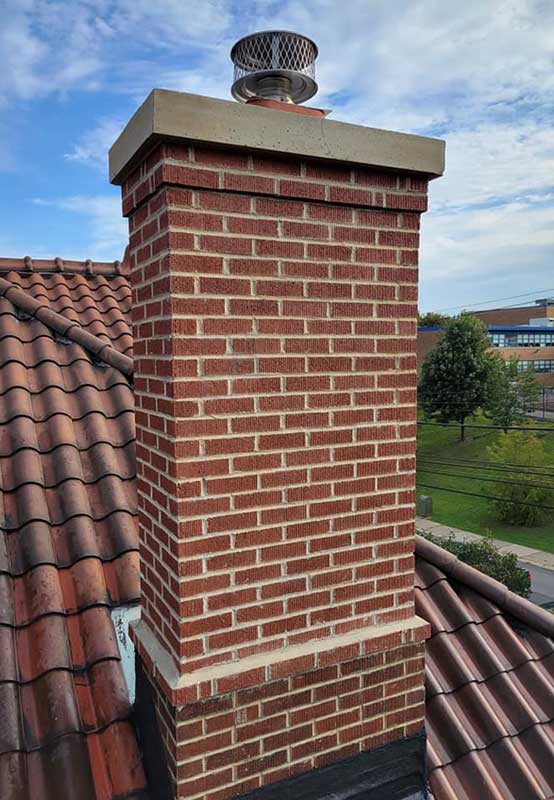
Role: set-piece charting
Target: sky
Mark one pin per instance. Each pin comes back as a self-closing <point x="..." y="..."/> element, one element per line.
<point x="479" y="74"/>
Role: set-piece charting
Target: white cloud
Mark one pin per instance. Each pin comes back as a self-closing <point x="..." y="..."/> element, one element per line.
<point x="107" y="234"/>
<point x="485" y="241"/>
<point x="495" y="161"/>
<point x="169" y="23"/>
<point x="50" y="47"/>
<point x="484" y="253"/>
<point x="45" y="48"/>
<point x="92" y="149"/>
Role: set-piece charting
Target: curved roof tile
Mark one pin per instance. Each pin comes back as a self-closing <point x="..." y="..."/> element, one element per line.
<point x="68" y="540"/>
<point x="489" y="667"/>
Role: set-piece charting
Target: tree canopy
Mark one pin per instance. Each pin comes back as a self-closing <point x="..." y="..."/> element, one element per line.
<point x="432" y="319"/>
<point x="454" y="376"/>
<point x="510" y="394"/>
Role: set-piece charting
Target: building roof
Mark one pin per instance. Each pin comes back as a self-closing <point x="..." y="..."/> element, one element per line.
<point x="499" y="328"/>
<point x="69" y="554"/>
<point x="68" y="547"/>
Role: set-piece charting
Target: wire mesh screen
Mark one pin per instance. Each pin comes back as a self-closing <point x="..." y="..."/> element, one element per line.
<point x="274" y="50"/>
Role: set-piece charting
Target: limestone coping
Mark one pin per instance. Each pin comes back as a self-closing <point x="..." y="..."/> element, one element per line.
<point x="263" y="667"/>
<point x="196" y="119"/>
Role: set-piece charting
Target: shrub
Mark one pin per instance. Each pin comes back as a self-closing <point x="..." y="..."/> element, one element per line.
<point x="523" y="450"/>
<point x="484" y="556"/>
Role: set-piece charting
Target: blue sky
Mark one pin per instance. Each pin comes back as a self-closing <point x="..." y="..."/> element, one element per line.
<point x="479" y="74"/>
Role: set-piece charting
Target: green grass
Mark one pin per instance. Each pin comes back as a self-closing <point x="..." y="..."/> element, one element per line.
<point x="474" y="514"/>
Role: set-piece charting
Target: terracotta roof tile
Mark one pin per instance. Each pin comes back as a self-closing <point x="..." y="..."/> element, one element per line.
<point x="94" y="311"/>
<point x="489" y="686"/>
<point x="68" y="544"/>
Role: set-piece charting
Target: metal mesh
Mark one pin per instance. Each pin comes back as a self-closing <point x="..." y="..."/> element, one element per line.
<point x="274" y="50"/>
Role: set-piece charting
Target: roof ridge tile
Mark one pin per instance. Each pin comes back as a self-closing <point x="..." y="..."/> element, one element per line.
<point x="59" y="265"/>
<point x="493" y="590"/>
<point x="69" y="328"/>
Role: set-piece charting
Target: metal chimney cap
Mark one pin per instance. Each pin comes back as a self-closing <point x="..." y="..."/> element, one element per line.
<point x="275" y="65"/>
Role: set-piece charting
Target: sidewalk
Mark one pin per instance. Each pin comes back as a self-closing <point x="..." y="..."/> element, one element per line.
<point x="527" y="555"/>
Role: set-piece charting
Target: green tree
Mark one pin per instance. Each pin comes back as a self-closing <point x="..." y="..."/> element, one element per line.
<point x="454" y="376"/>
<point x="431" y="319"/>
<point x="485" y="556"/>
<point x="510" y="394"/>
<point x="533" y="491"/>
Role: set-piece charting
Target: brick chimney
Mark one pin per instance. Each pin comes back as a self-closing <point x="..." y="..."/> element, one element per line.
<point x="274" y="272"/>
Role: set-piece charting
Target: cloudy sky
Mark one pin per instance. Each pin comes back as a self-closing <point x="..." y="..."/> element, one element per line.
<point x="479" y="74"/>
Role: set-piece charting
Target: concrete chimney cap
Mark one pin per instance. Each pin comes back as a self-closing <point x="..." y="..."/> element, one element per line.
<point x="220" y="123"/>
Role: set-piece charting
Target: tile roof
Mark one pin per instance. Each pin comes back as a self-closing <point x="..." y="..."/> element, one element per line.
<point x="96" y="297"/>
<point x="489" y="684"/>
<point x="68" y="544"/>
<point x="69" y="553"/>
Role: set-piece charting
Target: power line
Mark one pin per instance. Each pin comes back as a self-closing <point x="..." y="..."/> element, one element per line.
<point x="486" y="497"/>
<point x="497" y="300"/>
<point x="508" y="470"/>
<point x="538" y="429"/>
<point x="489" y="464"/>
<point x="488" y="479"/>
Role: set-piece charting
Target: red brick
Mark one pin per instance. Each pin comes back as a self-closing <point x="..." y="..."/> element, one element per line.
<point x="398" y="239"/>
<point x="248" y="183"/>
<point x="226" y="244"/>
<point x="279" y="248"/>
<point x="256" y="730"/>
<point x="381" y="179"/>
<point x="279" y="208"/>
<point x="188" y="219"/>
<point x="189" y="176"/>
<point x="275" y="165"/>
<point x="287" y="737"/>
<point x="408" y="202"/>
<point x="251" y="225"/>
<point x="364" y="235"/>
<point x="329" y="252"/>
<point x="303" y="189"/>
<point x="221" y="158"/>
<point x="305" y="230"/>
<point x="219" y="201"/>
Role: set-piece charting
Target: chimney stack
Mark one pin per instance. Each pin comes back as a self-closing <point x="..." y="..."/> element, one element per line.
<point x="273" y="263"/>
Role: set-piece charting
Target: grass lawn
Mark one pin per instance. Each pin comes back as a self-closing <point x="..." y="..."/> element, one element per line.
<point x="474" y="514"/>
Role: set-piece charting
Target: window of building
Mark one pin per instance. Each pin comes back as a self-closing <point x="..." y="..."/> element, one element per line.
<point x="540" y="365"/>
<point x="522" y="338"/>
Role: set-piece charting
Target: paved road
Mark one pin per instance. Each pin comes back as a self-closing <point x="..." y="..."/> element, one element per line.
<point x="542" y="584"/>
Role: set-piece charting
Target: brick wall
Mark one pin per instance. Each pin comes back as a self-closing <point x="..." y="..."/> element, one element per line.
<point x="274" y="319"/>
<point x="237" y="741"/>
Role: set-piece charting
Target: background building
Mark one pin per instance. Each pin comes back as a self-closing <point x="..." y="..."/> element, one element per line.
<point x="522" y="334"/>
